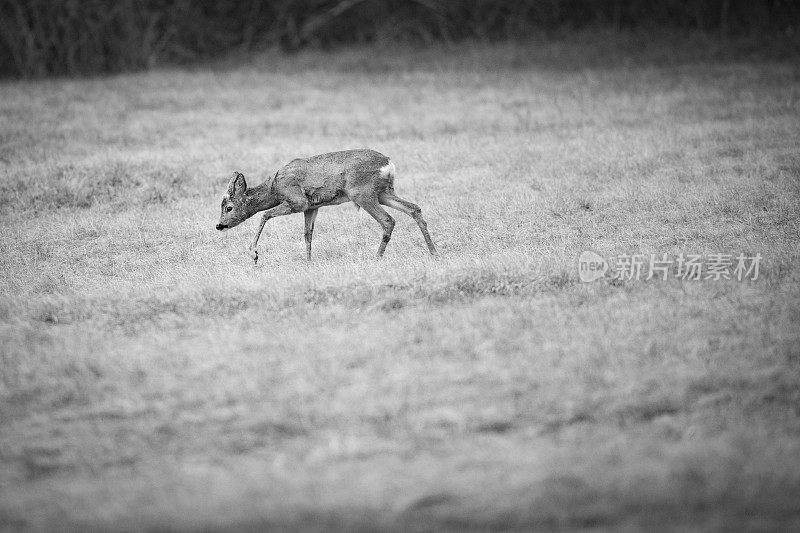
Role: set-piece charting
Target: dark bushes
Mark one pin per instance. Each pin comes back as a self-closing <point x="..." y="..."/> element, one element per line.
<point x="41" y="37"/>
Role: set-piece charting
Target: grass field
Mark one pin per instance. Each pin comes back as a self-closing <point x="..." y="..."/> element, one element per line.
<point x="154" y="378"/>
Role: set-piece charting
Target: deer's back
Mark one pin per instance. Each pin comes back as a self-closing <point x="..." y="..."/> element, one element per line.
<point x="323" y="177"/>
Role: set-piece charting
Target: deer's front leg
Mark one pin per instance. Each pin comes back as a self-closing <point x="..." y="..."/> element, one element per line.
<point x="311" y="216"/>
<point x="278" y="210"/>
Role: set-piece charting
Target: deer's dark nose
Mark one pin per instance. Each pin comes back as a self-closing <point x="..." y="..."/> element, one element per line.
<point x="221" y="227"/>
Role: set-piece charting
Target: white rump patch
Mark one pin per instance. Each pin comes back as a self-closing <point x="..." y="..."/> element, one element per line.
<point x="388" y="169"/>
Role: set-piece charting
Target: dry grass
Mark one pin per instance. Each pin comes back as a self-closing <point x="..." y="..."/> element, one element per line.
<point x="153" y="378"/>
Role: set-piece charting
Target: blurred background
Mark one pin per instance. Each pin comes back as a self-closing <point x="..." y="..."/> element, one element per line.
<point x="69" y="37"/>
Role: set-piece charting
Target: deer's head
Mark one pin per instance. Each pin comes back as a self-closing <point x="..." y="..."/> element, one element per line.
<point x="234" y="210"/>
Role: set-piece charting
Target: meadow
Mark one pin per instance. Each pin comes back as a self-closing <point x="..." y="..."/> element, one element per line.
<point x="153" y="378"/>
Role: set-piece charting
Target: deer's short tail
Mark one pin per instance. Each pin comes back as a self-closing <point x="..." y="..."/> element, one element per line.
<point x="384" y="181"/>
<point x="387" y="172"/>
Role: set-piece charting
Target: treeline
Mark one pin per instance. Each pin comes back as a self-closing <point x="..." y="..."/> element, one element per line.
<point x="46" y="37"/>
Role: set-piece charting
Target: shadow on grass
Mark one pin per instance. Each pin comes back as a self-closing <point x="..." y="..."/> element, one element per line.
<point x="133" y="313"/>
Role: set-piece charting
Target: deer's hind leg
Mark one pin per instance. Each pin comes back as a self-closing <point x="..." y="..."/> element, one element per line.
<point x="390" y="199"/>
<point x="371" y="205"/>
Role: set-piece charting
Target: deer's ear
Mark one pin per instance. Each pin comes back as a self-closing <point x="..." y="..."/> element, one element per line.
<point x="237" y="186"/>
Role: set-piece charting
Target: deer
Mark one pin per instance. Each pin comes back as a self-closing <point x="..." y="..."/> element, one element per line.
<point x="364" y="177"/>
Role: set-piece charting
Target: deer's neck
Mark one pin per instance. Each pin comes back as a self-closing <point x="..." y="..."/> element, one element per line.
<point x="261" y="197"/>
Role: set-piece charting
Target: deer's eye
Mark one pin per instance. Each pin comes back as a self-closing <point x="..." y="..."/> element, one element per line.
<point x="229" y="209"/>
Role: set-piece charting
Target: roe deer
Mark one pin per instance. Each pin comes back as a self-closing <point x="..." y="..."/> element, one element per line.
<point x="364" y="177"/>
